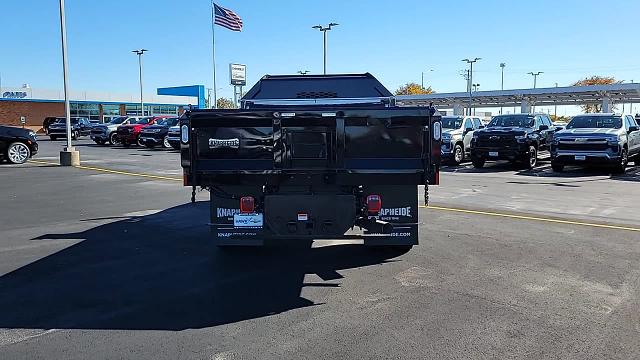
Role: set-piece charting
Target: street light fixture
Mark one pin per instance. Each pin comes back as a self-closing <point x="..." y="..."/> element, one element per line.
<point x="140" y="53"/>
<point x="303" y="72"/>
<point x="324" y="30"/>
<point x="422" y="82"/>
<point x="470" y="62"/>
<point x="535" y="77"/>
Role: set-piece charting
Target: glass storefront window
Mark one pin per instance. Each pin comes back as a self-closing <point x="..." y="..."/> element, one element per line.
<point x="111" y="109"/>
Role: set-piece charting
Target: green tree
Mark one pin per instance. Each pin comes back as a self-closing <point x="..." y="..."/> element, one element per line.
<point x="591" y="81"/>
<point x="413" y="89"/>
<point x="225" y="103"/>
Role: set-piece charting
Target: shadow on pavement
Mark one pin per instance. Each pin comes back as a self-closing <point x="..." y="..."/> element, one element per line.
<point x="161" y="272"/>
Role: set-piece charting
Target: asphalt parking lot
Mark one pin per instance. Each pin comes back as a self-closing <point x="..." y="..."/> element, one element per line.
<point x="111" y="260"/>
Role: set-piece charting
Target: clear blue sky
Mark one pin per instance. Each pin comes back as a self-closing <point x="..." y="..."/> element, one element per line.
<point x="395" y="41"/>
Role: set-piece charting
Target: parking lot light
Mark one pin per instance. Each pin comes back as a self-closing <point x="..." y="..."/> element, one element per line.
<point x="140" y="53"/>
<point x="69" y="156"/>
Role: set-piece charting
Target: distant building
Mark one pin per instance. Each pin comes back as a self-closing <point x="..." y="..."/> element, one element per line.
<point x="37" y="104"/>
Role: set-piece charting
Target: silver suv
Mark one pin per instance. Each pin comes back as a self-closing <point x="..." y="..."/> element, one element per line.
<point x="457" y="132"/>
<point x="106" y="133"/>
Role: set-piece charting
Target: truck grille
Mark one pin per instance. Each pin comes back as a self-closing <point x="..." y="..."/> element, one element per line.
<point x="584" y="146"/>
<point x="496" y="141"/>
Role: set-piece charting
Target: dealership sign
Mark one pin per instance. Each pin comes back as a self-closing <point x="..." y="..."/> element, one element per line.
<point x="238" y="74"/>
<point x="15" y="94"/>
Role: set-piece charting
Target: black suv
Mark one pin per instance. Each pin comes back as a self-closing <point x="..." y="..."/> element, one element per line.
<point x="515" y="137"/>
<point x="597" y="139"/>
<point x="157" y="134"/>
<point x="16" y="144"/>
<point x="80" y="126"/>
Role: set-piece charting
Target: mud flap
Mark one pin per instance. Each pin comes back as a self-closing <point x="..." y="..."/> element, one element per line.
<point x="227" y="225"/>
<point x="400" y="211"/>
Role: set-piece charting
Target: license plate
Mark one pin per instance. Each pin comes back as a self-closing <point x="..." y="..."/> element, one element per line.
<point x="493" y="153"/>
<point x="581" y="157"/>
<point x="247" y="220"/>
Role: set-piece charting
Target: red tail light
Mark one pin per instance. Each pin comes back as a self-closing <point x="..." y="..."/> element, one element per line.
<point x="374" y="204"/>
<point x="247" y="204"/>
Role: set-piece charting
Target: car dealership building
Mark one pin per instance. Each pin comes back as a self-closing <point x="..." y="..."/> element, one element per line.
<point x="34" y="105"/>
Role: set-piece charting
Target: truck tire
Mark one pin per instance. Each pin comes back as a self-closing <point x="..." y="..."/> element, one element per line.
<point x="165" y="142"/>
<point x="458" y="154"/>
<point x="531" y="159"/>
<point x="621" y="166"/>
<point x="139" y="141"/>
<point x="75" y="135"/>
<point x="478" y="163"/>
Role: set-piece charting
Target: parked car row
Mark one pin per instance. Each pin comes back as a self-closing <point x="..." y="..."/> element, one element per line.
<point x="149" y="131"/>
<point x="589" y="139"/>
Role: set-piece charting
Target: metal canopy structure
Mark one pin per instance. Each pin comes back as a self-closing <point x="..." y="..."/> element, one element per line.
<point x="571" y="95"/>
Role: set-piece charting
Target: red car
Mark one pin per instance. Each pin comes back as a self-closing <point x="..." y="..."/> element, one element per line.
<point x="130" y="134"/>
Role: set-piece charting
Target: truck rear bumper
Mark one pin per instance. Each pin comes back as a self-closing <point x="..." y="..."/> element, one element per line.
<point x="322" y="216"/>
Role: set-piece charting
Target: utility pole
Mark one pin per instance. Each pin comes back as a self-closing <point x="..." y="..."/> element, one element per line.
<point x="324" y="30"/>
<point x="470" y="62"/>
<point x="502" y="65"/>
<point x="535" y="78"/>
<point x="475" y="89"/>
<point x="140" y="53"/>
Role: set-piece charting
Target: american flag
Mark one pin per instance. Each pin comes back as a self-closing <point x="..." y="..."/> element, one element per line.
<point x="227" y="18"/>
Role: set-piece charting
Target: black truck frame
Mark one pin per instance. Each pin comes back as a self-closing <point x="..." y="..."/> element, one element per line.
<point x="313" y="157"/>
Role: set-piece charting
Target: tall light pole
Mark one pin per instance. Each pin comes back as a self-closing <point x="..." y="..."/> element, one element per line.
<point x="555" y="108"/>
<point x="422" y="82"/>
<point x="535" y="77"/>
<point x="69" y="156"/>
<point x="502" y="65"/>
<point x="470" y="62"/>
<point x="140" y="53"/>
<point x="324" y="30"/>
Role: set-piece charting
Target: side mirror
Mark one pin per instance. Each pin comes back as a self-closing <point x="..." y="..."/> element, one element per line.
<point x="544" y="127"/>
<point x="633" y="128"/>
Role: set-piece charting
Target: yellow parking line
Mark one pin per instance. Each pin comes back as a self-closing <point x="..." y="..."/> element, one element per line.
<point x="440" y="208"/>
<point x="110" y="171"/>
<point x="532" y="218"/>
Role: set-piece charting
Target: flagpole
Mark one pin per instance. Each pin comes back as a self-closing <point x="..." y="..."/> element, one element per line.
<point x="213" y="37"/>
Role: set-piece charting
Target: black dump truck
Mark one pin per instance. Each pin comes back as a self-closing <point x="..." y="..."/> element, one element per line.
<point x="313" y="157"/>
